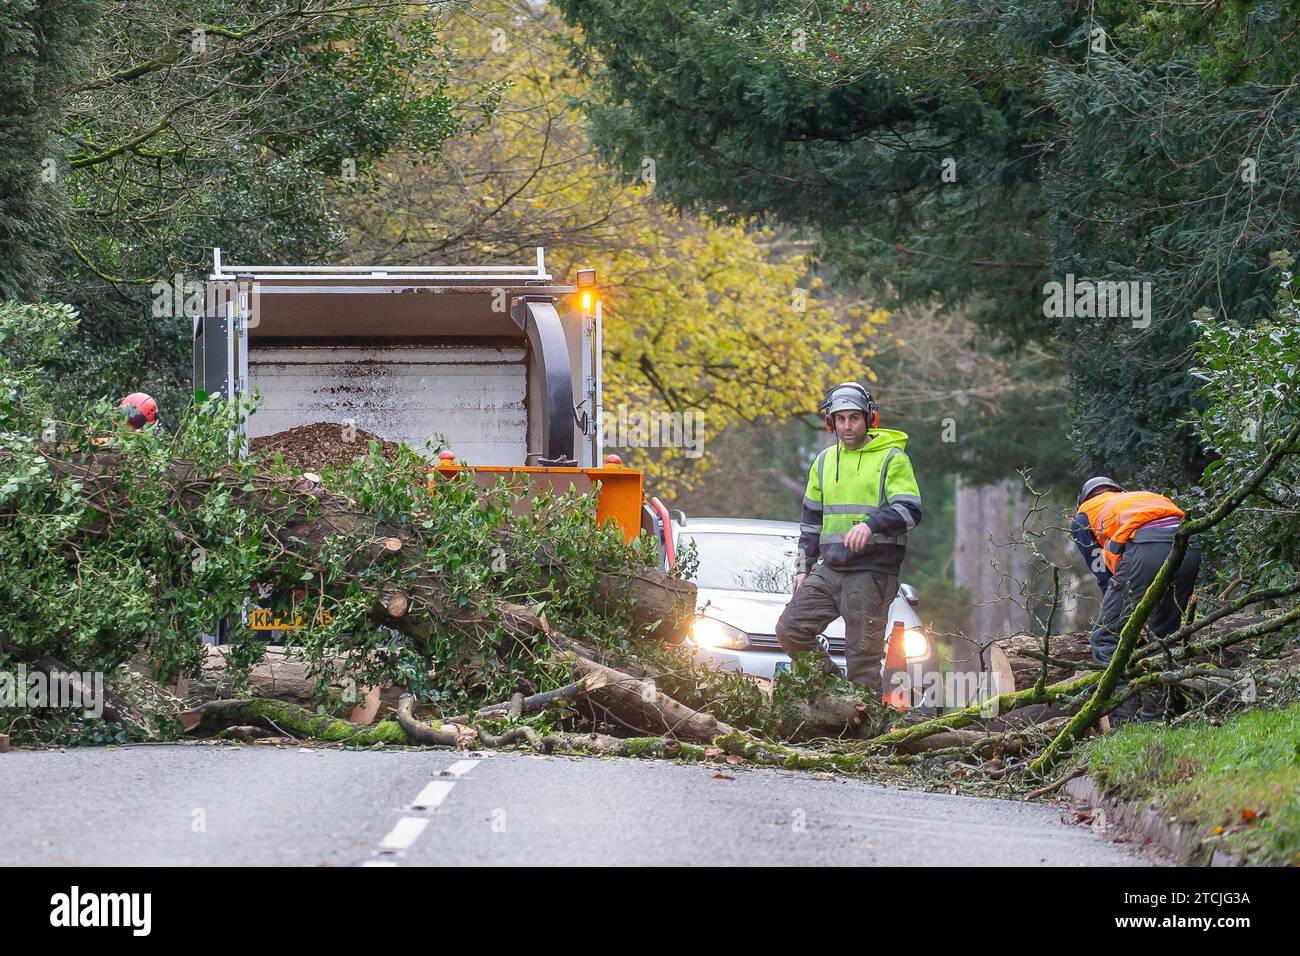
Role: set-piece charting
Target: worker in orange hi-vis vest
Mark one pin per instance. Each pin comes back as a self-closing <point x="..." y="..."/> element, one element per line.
<point x="1125" y="536"/>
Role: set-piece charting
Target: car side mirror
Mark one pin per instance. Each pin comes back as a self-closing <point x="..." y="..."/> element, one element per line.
<point x="909" y="594"/>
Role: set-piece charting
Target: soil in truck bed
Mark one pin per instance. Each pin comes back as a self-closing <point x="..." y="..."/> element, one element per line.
<point x="319" y="445"/>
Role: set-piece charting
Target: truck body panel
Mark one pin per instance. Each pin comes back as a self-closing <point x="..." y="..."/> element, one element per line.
<point x="474" y="397"/>
<point x="501" y="361"/>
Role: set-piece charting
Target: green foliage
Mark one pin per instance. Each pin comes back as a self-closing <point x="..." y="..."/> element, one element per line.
<point x="246" y="126"/>
<point x="1234" y="784"/>
<point x="1114" y="142"/>
<point x="1250" y="378"/>
<point x="170" y="129"/>
<point x="84" y="582"/>
<point x="43" y="45"/>
<point x="167" y="536"/>
<point x="29" y="336"/>
<point x="738" y="122"/>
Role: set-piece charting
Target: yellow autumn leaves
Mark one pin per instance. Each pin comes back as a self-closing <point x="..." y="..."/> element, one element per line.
<point x="726" y="322"/>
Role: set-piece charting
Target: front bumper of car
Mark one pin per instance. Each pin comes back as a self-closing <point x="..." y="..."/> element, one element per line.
<point x="756" y="663"/>
<point x="907" y="685"/>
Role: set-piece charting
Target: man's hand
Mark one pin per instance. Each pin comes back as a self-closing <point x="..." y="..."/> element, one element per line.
<point x="798" y="580"/>
<point x="858" y="537"/>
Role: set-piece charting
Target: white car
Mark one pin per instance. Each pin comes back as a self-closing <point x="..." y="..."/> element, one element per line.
<point x="745" y="576"/>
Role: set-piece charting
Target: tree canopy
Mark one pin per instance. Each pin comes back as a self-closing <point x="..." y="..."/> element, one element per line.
<point x="151" y="132"/>
<point x="973" y="153"/>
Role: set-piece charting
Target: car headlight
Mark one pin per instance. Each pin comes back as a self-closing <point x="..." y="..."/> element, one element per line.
<point x="712" y="634"/>
<point x="915" y="644"/>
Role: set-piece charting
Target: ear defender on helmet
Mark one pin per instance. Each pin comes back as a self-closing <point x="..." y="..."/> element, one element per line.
<point x="823" y="411"/>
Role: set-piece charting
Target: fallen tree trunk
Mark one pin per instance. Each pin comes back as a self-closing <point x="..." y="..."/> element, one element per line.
<point x="594" y="744"/>
<point x="276" y="676"/>
<point x="412" y="601"/>
<point x="290" y="720"/>
<point x="640" y="705"/>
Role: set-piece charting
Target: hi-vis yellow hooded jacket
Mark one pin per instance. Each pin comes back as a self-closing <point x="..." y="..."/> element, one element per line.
<point x="873" y="484"/>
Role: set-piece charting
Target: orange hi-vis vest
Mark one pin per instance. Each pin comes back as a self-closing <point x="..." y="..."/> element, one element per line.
<point x="1115" y="515"/>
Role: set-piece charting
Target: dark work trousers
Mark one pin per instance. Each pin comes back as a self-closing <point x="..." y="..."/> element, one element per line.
<point x="862" y="598"/>
<point x="1137" y="569"/>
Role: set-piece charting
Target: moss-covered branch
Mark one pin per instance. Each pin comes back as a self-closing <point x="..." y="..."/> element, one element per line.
<point x="292" y="720"/>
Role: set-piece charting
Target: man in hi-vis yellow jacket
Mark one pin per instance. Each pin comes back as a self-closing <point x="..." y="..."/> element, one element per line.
<point x="861" y="501"/>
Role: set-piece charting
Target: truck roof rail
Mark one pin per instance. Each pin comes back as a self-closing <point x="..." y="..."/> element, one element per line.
<point x="501" y="273"/>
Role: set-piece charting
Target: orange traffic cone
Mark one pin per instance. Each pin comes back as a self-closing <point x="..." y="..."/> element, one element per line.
<point x="896" y="696"/>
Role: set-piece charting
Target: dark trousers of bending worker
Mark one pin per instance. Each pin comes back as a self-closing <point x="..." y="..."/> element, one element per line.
<point x="862" y="598"/>
<point x="1137" y="568"/>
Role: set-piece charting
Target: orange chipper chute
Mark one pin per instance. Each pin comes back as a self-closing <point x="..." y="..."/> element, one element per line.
<point x="618" y="489"/>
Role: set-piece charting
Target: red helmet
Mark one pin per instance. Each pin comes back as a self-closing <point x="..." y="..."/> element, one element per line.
<point x="140" y="409"/>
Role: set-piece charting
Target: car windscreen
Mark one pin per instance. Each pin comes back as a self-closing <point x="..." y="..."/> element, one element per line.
<point x="744" y="562"/>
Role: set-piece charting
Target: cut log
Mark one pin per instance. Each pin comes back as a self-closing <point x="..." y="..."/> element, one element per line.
<point x="396" y="604"/>
<point x="829" y="715"/>
<point x="276" y="677"/>
<point x="1070" y="653"/>
<point x="665" y="603"/>
<point x="641" y="706"/>
<point x="366" y="711"/>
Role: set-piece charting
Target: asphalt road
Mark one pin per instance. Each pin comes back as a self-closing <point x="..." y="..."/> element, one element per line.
<point x="261" y="805"/>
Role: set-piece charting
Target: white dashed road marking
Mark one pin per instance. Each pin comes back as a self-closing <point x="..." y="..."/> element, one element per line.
<point x="434" y="792"/>
<point x="404" y="834"/>
<point x="462" y="767"/>
<point x="408" y="828"/>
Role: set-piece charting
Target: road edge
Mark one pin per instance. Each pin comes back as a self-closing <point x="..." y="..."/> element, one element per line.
<point x="1145" y="821"/>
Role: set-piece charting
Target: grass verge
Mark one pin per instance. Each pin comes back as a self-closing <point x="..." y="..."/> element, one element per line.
<point x="1237" y="784"/>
